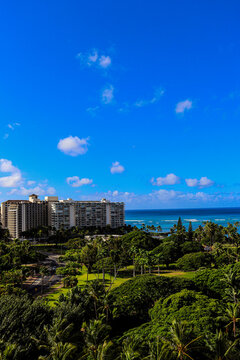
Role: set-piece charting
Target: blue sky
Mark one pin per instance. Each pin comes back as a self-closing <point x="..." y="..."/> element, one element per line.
<point x="137" y="101"/>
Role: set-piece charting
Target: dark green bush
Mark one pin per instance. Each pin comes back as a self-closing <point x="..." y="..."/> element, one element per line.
<point x="132" y="300"/>
<point x="194" y="261"/>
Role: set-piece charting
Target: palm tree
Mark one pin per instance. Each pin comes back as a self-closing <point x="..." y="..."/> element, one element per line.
<point x="95" y="335"/>
<point x="211" y="230"/>
<point x="199" y="234"/>
<point x="232" y="233"/>
<point x="57" y="345"/>
<point x="133" y="251"/>
<point x="43" y="271"/>
<point x="7" y="351"/>
<point x="95" y="296"/>
<point x="222" y="348"/>
<point x="233" y="314"/>
<point x="180" y="343"/>
<point x="104" y="351"/>
<point x="141" y="259"/>
<point x="130" y="348"/>
<point x="231" y="279"/>
<point x="101" y="254"/>
<point x="59" y="351"/>
<point x="157" y="350"/>
<point x="159" y="228"/>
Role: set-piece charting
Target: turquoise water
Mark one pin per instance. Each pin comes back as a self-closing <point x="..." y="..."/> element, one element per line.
<point x="167" y="218"/>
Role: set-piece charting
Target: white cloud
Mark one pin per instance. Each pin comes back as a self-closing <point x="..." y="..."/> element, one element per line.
<point x="11" y="180"/>
<point x="12" y="126"/>
<point x="73" y="146"/>
<point x="107" y="95"/>
<point x="39" y="190"/>
<point x="105" y="61"/>
<point x="170" y="179"/>
<point x="15" y="177"/>
<point x="183" y="105"/>
<point x="7" y="166"/>
<point x="203" y="182"/>
<point x="51" y="190"/>
<point x="16" y="181"/>
<point x="166" y="198"/>
<point x="115" y="195"/>
<point x="75" y="181"/>
<point x="157" y="95"/>
<point x="117" y="168"/>
<point x="89" y="58"/>
<point x="191" y="182"/>
<point x="94" y="58"/>
<point x="31" y="182"/>
<point x="93" y="110"/>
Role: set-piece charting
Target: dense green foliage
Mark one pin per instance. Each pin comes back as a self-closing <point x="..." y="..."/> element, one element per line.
<point x="147" y="317"/>
<point x="194" y="261"/>
<point x="132" y="300"/>
<point x="20" y="319"/>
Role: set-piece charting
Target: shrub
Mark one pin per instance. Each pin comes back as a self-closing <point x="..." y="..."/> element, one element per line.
<point x="194" y="261"/>
<point x="132" y="300"/>
<point x="70" y="281"/>
<point x="197" y="310"/>
<point x="68" y="270"/>
<point x="191" y="247"/>
<point x="139" y="239"/>
<point x="209" y="281"/>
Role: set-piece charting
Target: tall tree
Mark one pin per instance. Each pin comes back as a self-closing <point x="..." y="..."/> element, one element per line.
<point x="179" y="224"/>
<point x="190" y="232"/>
<point x="181" y="340"/>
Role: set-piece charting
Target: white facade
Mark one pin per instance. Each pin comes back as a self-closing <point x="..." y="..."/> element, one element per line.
<point x="23" y="215"/>
<point x="69" y="213"/>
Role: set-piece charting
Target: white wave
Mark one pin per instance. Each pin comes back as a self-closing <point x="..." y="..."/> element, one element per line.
<point x="220" y="219"/>
<point x="192" y="220"/>
<point x="170" y="220"/>
<point x="134" y="220"/>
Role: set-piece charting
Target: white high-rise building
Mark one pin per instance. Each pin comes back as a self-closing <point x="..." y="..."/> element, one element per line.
<point x="68" y="213"/>
<point x="22" y="215"/>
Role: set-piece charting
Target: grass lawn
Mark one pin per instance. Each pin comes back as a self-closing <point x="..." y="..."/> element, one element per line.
<point x="123" y="275"/>
<point x="82" y="280"/>
<point x="178" y="273"/>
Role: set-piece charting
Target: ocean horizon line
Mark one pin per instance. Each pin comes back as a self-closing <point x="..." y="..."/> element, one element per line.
<point x="179" y="209"/>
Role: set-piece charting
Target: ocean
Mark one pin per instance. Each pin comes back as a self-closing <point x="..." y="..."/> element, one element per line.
<point x="167" y="218"/>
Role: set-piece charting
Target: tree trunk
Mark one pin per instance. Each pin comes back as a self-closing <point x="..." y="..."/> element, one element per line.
<point x="103" y="275"/>
<point x="95" y="308"/>
<point x="115" y="271"/>
<point x="134" y="270"/>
